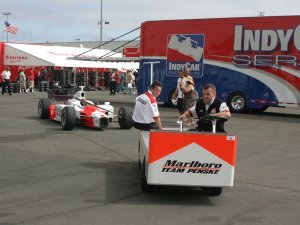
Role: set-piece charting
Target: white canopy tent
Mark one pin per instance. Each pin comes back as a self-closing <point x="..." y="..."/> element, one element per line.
<point x="44" y="55"/>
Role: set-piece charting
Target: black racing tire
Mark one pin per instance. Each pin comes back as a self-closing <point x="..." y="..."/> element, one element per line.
<point x="172" y="102"/>
<point x="125" y="117"/>
<point x="237" y="102"/>
<point x="213" y="191"/>
<point x="43" y="108"/>
<point x="144" y="184"/>
<point x="68" y="118"/>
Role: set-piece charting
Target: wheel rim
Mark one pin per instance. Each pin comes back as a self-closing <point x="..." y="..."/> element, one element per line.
<point x="174" y="101"/>
<point x="237" y="102"/>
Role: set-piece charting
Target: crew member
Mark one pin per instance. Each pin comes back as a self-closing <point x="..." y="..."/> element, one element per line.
<point x="208" y="105"/>
<point x="6" y="80"/>
<point x="146" y="115"/>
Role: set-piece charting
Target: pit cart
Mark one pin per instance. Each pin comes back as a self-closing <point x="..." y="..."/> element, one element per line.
<point x="187" y="158"/>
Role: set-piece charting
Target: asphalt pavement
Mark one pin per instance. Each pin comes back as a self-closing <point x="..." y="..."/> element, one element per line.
<point x="86" y="176"/>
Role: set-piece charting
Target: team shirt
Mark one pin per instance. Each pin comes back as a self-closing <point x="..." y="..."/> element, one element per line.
<point x="146" y="108"/>
<point x="223" y="108"/>
<point x="6" y="75"/>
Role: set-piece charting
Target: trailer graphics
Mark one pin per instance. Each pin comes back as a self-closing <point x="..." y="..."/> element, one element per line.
<point x="266" y="41"/>
<point x="185" y="50"/>
<point x="254" y="62"/>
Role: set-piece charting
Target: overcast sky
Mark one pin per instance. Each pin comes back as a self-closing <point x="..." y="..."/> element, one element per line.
<point x="70" y="20"/>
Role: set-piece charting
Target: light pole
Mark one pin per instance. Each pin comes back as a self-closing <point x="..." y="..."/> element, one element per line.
<point x="8" y="14"/>
<point x="101" y="23"/>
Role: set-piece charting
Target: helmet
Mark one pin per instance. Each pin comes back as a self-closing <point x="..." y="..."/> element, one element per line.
<point x="83" y="102"/>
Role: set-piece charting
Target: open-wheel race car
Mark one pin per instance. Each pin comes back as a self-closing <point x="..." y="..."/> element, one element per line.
<point x="70" y="110"/>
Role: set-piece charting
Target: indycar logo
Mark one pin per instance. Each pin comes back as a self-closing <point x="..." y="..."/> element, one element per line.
<point x="185" y="50"/>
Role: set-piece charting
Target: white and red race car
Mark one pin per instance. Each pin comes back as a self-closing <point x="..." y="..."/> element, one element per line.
<point x="76" y="109"/>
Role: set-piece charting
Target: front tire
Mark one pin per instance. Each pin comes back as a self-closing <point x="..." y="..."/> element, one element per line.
<point x="68" y="118"/>
<point x="125" y="117"/>
<point x="43" y="108"/>
<point x="172" y="102"/>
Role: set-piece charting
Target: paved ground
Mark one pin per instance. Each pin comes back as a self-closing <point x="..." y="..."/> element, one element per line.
<point x="85" y="176"/>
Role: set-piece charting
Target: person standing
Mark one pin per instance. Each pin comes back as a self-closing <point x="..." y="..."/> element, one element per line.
<point x="31" y="81"/>
<point x="146" y="115"/>
<point x="43" y="74"/>
<point x="6" y="80"/>
<point x="22" y="80"/>
<point x="128" y="82"/>
<point x="208" y="105"/>
<point x="113" y="83"/>
<point x="178" y="92"/>
<point x="36" y="73"/>
<point x="122" y="81"/>
<point x="190" y="96"/>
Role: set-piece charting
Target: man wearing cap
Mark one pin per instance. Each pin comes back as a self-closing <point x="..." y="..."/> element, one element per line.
<point x="146" y="115"/>
<point x="208" y="105"/>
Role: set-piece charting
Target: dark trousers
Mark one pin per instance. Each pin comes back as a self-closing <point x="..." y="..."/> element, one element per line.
<point x="113" y="87"/>
<point x="180" y="105"/>
<point x="145" y="126"/>
<point x="4" y="84"/>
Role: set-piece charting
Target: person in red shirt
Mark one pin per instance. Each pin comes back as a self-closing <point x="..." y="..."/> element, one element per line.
<point x="31" y="80"/>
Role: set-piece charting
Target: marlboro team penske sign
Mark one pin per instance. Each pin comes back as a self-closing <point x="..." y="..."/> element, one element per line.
<point x="191" y="159"/>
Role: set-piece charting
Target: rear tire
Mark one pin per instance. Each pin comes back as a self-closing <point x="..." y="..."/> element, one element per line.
<point x="43" y="108"/>
<point x="237" y="102"/>
<point x="213" y="191"/>
<point x="125" y="117"/>
<point x="144" y="184"/>
<point x="68" y="118"/>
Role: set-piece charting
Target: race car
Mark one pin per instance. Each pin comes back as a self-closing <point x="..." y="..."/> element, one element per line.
<point x="70" y="110"/>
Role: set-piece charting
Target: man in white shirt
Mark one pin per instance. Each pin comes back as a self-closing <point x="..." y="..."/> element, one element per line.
<point x="146" y="115"/>
<point x="6" y="80"/>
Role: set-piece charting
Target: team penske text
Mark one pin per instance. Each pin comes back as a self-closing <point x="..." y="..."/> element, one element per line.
<point x="174" y="166"/>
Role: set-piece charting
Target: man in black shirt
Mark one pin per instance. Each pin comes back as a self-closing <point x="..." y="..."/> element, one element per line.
<point x="209" y="104"/>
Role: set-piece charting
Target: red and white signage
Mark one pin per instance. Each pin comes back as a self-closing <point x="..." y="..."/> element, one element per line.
<point x="191" y="159"/>
<point x="131" y="52"/>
